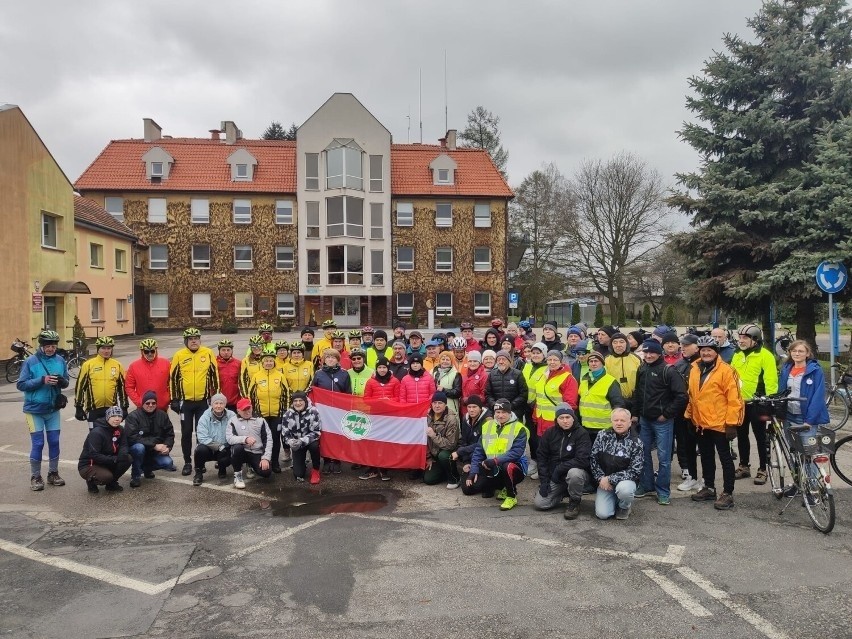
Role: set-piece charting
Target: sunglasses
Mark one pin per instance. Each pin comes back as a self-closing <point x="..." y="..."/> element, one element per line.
<point x="149" y="351"/>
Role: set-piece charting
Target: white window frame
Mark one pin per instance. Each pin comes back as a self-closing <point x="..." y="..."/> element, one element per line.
<point x="443" y="309"/>
<point x="120" y="258"/>
<point x="121" y="310"/>
<point x="284" y="211"/>
<point x="443" y="176"/>
<point x="156" y="307"/>
<point x="199" y="211"/>
<point x="285" y="305"/>
<point x="376" y="185"/>
<point x="314" y="258"/>
<point x="242" y="217"/>
<point x="243" y="311"/>
<point x="53" y="222"/>
<point x="377" y="228"/>
<point x="312" y="177"/>
<point x="480" y="309"/>
<point x="346" y="180"/>
<point x="202" y="305"/>
<point x="156" y="169"/>
<point x="482" y="215"/>
<point x="244" y="264"/>
<point x="312" y="220"/>
<point x="441" y="220"/>
<point x="404" y="214"/>
<point x="241" y="172"/>
<point x="349" y="229"/>
<point x="199" y="263"/>
<point x="480" y="265"/>
<point x="115" y="207"/>
<point x="404" y="265"/>
<point x="96" y="255"/>
<point x="350" y="278"/>
<point x="96" y="307"/>
<point x="158" y="264"/>
<point x="157" y="210"/>
<point x="285" y="258"/>
<point x="443" y="264"/>
<point x="404" y="310"/>
<point x="377" y="270"/>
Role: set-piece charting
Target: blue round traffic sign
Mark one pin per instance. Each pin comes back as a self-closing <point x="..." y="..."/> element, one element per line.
<point x="831" y="277"/>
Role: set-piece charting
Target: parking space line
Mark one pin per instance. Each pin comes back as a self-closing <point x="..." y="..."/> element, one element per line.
<point x="275" y="538"/>
<point x="687" y="601"/>
<point x="760" y="624"/>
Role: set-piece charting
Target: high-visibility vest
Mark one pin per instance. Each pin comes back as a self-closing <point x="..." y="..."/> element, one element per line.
<point x="498" y="442"/>
<point x="547" y="395"/>
<point x="594" y="406"/>
<point x="531" y="376"/>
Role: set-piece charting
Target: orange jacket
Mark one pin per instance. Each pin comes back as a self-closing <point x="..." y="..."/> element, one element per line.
<point x="717" y="402"/>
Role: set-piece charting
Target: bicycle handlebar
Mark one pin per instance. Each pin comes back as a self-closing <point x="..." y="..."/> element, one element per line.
<point x="774" y="399"/>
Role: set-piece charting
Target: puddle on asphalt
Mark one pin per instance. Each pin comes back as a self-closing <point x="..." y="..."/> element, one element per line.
<point x="325" y="502"/>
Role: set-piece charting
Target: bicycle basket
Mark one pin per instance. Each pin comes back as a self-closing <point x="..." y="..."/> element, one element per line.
<point x="846" y="380"/>
<point x="765" y="409"/>
<point x="18" y="347"/>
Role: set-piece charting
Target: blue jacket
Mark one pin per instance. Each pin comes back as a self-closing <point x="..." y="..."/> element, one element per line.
<point x="38" y="396"/>
<point x="517" y="452"/>
<point x="814" y="410"/>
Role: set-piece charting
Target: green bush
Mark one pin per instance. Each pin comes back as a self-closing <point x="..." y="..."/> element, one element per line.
<point x="646" y="315"/>
<point x="599" y="318"/>
<point x="575" y="314"/>
<point x="670" y="316"/>
<point x="622" y="315"/>
<point x="229" y="326"/>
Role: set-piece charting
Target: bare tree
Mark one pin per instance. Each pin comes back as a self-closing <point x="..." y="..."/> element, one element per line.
<point x="621" y="209"/>
<point x="660" y="276"/>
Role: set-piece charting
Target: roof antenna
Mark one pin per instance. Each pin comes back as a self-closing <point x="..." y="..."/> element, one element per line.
<point x="421" y="105"/>
<point x="446" y="117"/>
<point x="408" y="117"/>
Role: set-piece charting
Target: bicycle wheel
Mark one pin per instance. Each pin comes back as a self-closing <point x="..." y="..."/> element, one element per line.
<point x="843" y="467"/>
<point x="778" y="467"/>
<point x="74" y="367"/>
<point x="819" y="502"/>
<point x="838" y="408"/>
<point x="13" y="371"/>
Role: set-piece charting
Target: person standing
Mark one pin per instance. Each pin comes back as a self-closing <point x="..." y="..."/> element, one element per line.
<point x="299" y="372"/>
<point x="448" y="380"/>
<point x="379" y="348"/>
<point x="250" y="364"/>
<point x="687" y="445"/>
<point x="270" y="397"/>
<point x="505" y="382"/>
<point x="100" y="384"/>
<point x="383" y="385"/>
<point x="599" y="394"/>
<point x="726" y="349"/>
<point x="148" y="373"/>
<point x="332" y="377"/>
<point x="418" y="385"/>
<point x="229" y="368"/>
<point x="359" y="374"/>
<point x="473" y="379"/>
<point x="150" y="439"/>
<point x="42" y="378"/>
<point x="623" y="366"/>
<point x="616" y="462"/>
<point x="563" y="463"/>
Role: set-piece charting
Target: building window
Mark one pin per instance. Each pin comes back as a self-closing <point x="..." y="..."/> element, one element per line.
<point x="285" y="258"/>
<point x="404" y="304"/>
<point x="158" y="257"/>
<point x="345" y="264"/>
<point x="201" y="304"/>
<point x="482" y="304"/>
<point x="377" y="268"/>
<point x="243" y="258"/>
<point x="120" y="310"/>
<point x="404" y="258"/>
<point x="444" y="258"/>
<point x="376" y="173"/>
<point x="443" y="304"/>
<point x="156" y="169"/>
<point x="157" y="210"/>
<point x="159" y="304"/>
<point x="242" y="211"/>
<point x="286" y="305"/>
<point x="443" y="214"/>
<point x="243" y="305"/>
<point x="313" y="220"/>
<point x="443" y="176"/>
<point x="312" y="171"/>
<point x="343" y="169"/>
<point x="377" y="231"/>
<point x="345" y="216"/>
<point x="97" y="309"/>
<point x="137" y="259"/>
<point x="313" y="268"/>
<point x="242" y="171"/>
<point x="200" y="211"/>
<point x="49" y="231"/>
<point x="121" y="260"/>
<point x="404" y="214"/>
<point x="283" y="211"/>
<point x="482" y="258"/>
<point x="115" y="207"/>
<point x="482" y="215"/>
<point x="201" y="256"/>
<point x="96" y="255"/>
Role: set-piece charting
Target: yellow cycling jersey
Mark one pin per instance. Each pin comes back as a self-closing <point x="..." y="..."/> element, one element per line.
<point x="269" y="393"/>
<point x="248" y="367"/>
<point x="100" y="384"/>
<point x="299" y="375"/>
<point x="194" y="376"/>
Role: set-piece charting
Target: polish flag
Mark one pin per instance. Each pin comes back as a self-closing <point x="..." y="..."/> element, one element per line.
<point x="372" y="432"/>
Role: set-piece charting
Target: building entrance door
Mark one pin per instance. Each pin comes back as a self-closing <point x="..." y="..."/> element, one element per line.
<point x="346" y="310"/>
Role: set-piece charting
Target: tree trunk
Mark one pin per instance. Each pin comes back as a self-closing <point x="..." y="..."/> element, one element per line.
<point x="806" y="323"/>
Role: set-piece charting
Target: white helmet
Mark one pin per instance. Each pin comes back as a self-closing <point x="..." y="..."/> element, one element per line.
<point x="459" y="342"/>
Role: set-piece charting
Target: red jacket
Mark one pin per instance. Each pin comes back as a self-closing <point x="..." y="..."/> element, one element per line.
<point x="229" y="379"/>
<point x="143" y="376"/>
<point x="473" y="345"/>
<point x="413" y="390"/>
<point x="473" y="383"/>
<point x="377" y="390"/>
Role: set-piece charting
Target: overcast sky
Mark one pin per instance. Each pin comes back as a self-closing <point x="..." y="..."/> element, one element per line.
<point x="570" y="79"/>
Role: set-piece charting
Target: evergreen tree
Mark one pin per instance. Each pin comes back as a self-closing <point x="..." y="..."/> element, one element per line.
<point x="575" y="313"/>
<point x="771" y="113"/>
<point x="646" y="315"/>
<point x="599" y="318"/>
<point x="291" y="132"/>
<point x="274" y="132"/>
<point x="483" y="132"/>
<point x="622" y="315"/>
<point x="669" y="319"/>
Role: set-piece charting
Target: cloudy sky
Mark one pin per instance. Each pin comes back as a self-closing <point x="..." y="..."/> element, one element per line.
<point x="570" y="79"/>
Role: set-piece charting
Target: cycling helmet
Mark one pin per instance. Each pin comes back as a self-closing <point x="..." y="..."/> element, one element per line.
<point x="357" y="352"/>
<point x="255" y="340"/>
<point x="48" y="336"/>
<point x="264" y="328"/>
<point x="105" y="341"/>
<point x="147" y="344"/>
<point x="466" y="325"/>
<point x="282" y="344"/>
<point x="297" y="346"/>
<point x="496" y="322"/>
<point x="225" y="343"/>
<point x="329" y="324"/>
<point x="752" y="331"/>
<point x="355" y="333"/>
<point x="191" y="332"/>
<point x="459" y="342"/>
<point x="367" y="330"/>
<point x="705" y="341"/>
<point x="338" y="334"/>
<point x="440" y="338"/>
<point x="266" y="354"/>
<point x="524" y="324"/>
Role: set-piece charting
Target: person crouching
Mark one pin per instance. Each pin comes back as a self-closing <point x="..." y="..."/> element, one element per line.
<point x="251" y="443"/>
<point x="301" y="429"/>
<point x="105" y="457"/>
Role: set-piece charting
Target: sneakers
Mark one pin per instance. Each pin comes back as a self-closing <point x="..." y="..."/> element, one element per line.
<point x="135" y="482"/>
<point x="222" y="473"/>
<point x="641" y="492"/>
<point x="384" y="475"/>
<point x="114" y="487"/>
<point x="300" y="480"/>
<point x="725" y="502"/>
<point x="150" y="475"/>
<point x="250" y="474"/>
<point x="684" y="474"/>
<point x="501" y="494"/>
<point x="688" y="484"/>
<point x="315" y="476"/>
<point x="187" y="469"/>
<point x="196" y="481"/>
<point x="742" y="472"/>
<point x="532" y="470"/>
<point x="54" y="479"/>
<point x="92" y="487"/>
<point x="573" y="510"/>
<point x="622" y="513"/>
<point x="509" y="503"/>
<point x="791" y="491"/>
<point x="238" y="480"/>
<point x="369" y="474"/>
<point x="663" y="501"/>
<point x="36" y="483"/>
<point x="760" y="478"/>
<point x="452" y="485"/>
<point x="335" y="468"/>
<point x="705" y="494"/>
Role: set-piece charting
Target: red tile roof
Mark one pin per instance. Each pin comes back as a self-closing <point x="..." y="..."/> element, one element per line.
<point x="476" y="174"/>
<point x="89" y="212"/>
<point x="199" y="165"/>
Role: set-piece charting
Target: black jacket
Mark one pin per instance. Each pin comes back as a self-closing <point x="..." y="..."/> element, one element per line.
<point x="104" y="446"/>
<point x="486" y="346"/>
<point x="149" y="429"/>
<point x="510" y="385"/>
<point x="660" y="390"/>
<point x="561" y="450"/>
<point x="469" y="434"/>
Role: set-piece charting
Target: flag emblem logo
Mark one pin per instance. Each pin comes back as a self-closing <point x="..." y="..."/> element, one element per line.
<point x="356" y="425"/>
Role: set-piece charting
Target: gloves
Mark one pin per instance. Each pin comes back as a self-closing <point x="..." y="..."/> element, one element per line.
<point x="175" y="405"/>
<point x="544" y="489"/>
<point x="80" y="415"/>
<point x="731" y="432"/>
<point x="490" y="464"/>
<point x="294" y="444"/>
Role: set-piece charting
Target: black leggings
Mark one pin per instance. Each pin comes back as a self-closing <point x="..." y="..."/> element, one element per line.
<point x="687" y="454"/>
<point x="190" y="414"/>
<point x="300" y="459"/>
<point x="511" y="474"/>
<point x="711" y="442"/>
<point x="273" y="423"/>
<point x="758" y="427"/>
<point x="240" y="456"/>
<point x="204" y="454"/>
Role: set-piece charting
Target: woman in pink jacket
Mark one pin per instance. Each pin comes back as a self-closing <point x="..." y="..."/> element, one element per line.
<point x="418" y="386"/>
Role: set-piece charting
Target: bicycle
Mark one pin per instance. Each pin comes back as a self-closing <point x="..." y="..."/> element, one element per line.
<point x="796" y="468"/>
<point x="838" y="398"/>
<point x="782" y="343"/>
<point x="75" y="357"/>
<point x="22" y="351"/>
<point x="843" y="469"/>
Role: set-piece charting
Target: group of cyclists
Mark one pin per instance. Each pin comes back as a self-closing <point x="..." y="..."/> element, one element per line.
<point x="502" y="407"/>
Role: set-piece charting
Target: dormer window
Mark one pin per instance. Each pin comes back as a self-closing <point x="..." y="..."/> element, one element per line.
<point x="443" y="170"/>
<point x="242" y="171"/>
<point x="158" y="164"/>
<point x="156" y="169"/>
<point x="443" y="176"/>
<point x="243" y="165"/>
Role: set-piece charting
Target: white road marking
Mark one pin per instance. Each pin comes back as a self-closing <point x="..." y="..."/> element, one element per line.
<point x="760" y="624"/>
<point x="673" y="554"/>
<point x="275" y="538"/>
<point x="689" y="603"/>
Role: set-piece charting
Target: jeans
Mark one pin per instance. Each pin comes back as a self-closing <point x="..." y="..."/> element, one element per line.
<point x="709" y="443"/>
<point x="147" y="460"/>
<point x="572" y="486"/>
<point x="662" y="433"/>
<point x="607" y="500"/>
<point x="797" y="420"/>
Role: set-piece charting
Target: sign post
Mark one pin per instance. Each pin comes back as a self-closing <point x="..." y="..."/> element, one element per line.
<point x="831" y="277"/>
<point x="513" y="300"/>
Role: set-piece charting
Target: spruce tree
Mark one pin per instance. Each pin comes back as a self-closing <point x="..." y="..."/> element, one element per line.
<point x="599" y="318"/>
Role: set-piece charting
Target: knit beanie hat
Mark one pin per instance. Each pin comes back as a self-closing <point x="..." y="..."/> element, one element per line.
<point x="564" y="409"/>
<point x="439" y="396"/>
<point x="474" y="400"/>
<point x="555" y="353"/>
<point x="597" y="356"/>
<point x="652" y="346"/>
<point x="148" y="396"/>
<point x="114" y="411"/>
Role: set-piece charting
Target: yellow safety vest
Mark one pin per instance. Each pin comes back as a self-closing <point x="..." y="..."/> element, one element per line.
<point x="498" y="442"/>
<point x="594" y="406"/>
<point x="547" y="395"/>
<point x="626" y="368"/>
<point x="531" y="377"/>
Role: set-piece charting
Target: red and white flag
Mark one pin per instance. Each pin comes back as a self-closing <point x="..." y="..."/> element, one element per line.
<point x="372" y="432"/>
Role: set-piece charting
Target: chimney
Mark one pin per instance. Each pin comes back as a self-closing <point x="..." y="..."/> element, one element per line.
<point x="451" y="139"/>
<point x="232" y="133"/>
<point x="214" y="134"/>
<point x="153" y="131"/>
<point x="443" y="142"/>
